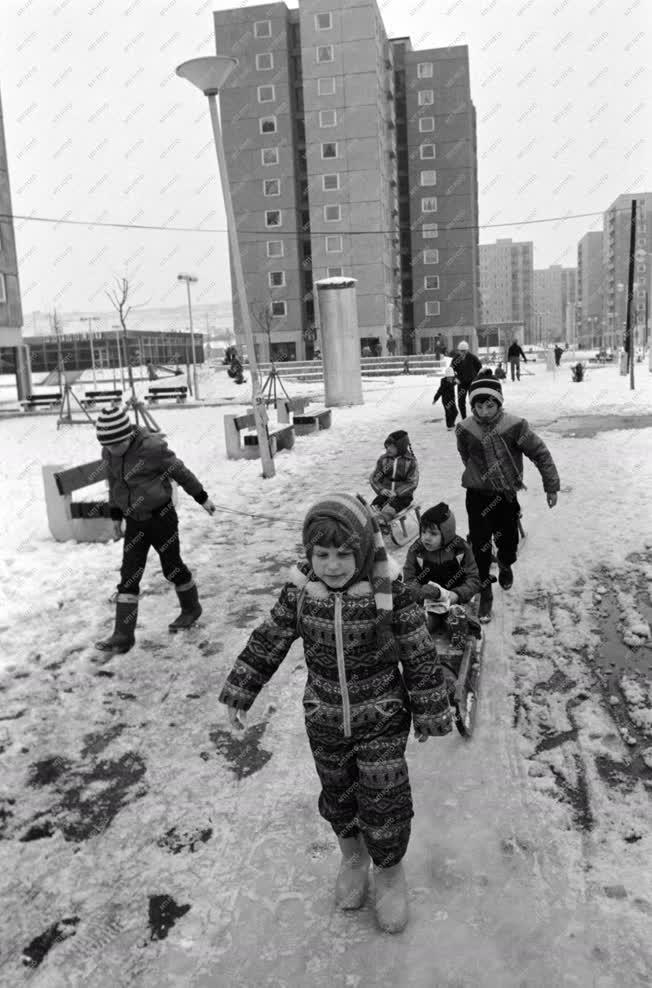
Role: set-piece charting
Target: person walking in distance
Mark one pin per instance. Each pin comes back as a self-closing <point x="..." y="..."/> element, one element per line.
<point x="446" y="391"/>
<point x="139" y="468"/>
<point x="465" y="367"/>
<point x="514" y="356"/>
<point x="559" y="352"/>
<point x="491" y="444"/>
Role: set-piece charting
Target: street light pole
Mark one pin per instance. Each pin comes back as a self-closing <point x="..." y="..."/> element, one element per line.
<point x="209" y="74"/>
<point x="188" y="278"/>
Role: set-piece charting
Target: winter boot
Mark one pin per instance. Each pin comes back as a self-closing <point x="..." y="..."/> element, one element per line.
<point x="353" y="877"/>
<point x="505" y="576"/>
<point x="486" y="603"/>
<point x="126" y="615"/>
<point x="391" y="898"/>
<point x="190" y="607"/>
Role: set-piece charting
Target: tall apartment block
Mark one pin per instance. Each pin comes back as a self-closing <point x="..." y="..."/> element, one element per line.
<point x="506" y="284"/>
<point x="590" y="321"/>
<point x="615" y="258"/>
<point x="312" y="120"/>
<point x="554" y="303"/>
<point x="11" y="314"/>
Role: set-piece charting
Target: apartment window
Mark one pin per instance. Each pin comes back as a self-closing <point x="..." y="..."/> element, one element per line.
<point x="264" y="61"/>
<point x="269" y="156"/>
<point x="326" y="86"/>
<point x="271" y="187"/>
<point x="431" y="257"/>
<point x="276" y="279"/>
<point x="429" y="204"/>
<point x="426" y="124"/>
<point x="262" y="29"/>
<point x="426" y="97"/>
<point x="327" y="118"/>
<point x="429" y="178"/>
<point x="329" y="149"/>
<point x="431" y="281"/>
<point x="325" y="53"/>
<point x="330" y="183"/>
<point x="275" y="248"/>
<point x="266" y="94"/>
<point x="3" y="289"/>
<point x="333" y="245"/>
<point x="323" y="22"/>
<point x="279" y="309"/>
<point x="273" y="217"/>
<point x="332" y="213"/>
<point x="433" y="308"/>
<point x="334" y="272"/>
<point x="428" y="151"/>
<point x="424" y="70"/>
<point x="267" y="125"/>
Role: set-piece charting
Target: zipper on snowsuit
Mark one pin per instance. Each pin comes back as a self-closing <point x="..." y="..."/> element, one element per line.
<point x="341" y="671"/>
<point x="394" y="471"/>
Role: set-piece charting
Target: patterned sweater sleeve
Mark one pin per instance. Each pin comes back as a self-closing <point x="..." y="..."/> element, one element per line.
<point x="262" y="655"/>
<point x="377" y="478"/>
<point x="422" y="673"/>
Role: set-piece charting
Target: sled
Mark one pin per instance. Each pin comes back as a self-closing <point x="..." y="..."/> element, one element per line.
<point x="403" y="528"/>
<point x="462" y="669"/>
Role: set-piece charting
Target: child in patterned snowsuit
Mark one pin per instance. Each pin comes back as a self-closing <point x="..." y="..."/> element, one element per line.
<point x="395" y="476"/>
<point x="356" y="625"/>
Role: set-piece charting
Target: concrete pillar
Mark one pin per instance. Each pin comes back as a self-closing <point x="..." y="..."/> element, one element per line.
<point x="340" y="341"/>
<point x="23" y="372"/>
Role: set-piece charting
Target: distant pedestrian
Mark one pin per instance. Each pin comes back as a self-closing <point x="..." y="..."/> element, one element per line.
<point x="391" y="345"/>
<point x="446" y="392"/>
<point x="514" y="356"/>
<point x="500" y="373"/>
<point x="558" y="355"/>
<point x="465" y="366"/>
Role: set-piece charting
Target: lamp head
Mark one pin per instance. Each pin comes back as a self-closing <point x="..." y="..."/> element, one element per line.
<point x="187" y="277"/>
<point x="209" y="73"/>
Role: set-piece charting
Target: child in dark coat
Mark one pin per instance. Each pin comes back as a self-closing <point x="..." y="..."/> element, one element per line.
<point x="441" y="571"/>
<point x="356" y="625"/>
<point x="446" y="391"/>
<point x="139" y="467"/>
<point x="395" y="477"/>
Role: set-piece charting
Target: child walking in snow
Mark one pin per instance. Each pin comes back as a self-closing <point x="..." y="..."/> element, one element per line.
<point x="395" y="477"/>
<point x="446" y="392"/>
<point x="139" y="467"/>
<point x="356" y="625"/>
<point x="491" y="444"/>
<point x="441" y="571"/>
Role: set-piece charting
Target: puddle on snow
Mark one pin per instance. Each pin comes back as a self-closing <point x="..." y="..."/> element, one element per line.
<point x="588" y="426"/>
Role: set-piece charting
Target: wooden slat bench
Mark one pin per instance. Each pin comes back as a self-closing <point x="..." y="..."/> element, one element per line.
<point x="242" y="440"/>
<point x="180" y="393"/>
<point x="92" y="398"/>
<point x="49" y="400"/>
<point x="305" y="420"/>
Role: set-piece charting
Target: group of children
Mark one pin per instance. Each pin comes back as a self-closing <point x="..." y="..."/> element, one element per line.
<point x="372" y="665"/>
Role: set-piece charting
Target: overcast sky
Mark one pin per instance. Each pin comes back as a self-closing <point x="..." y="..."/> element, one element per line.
<point x="98" y="127"/>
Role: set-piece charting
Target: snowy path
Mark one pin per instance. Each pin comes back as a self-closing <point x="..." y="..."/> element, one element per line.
<point x="125" y="799"/>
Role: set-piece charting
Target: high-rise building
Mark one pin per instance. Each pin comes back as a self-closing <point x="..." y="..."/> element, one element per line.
<point x="555" y="296"/>
<point x="11" y="315"/>
<point x="506" y="285"/>
<point x="317" y="118"/>
<point x="590" y="324"/>
<point x="615" y="260"/>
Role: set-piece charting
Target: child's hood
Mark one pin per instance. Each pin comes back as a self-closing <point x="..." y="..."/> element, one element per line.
<point x="442" y="516"/>
<point x="301" y="576"/>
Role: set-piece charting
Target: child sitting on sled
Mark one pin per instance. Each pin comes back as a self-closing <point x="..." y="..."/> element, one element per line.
<point x="395" y="477"/>
<point x="441" y="571"/>
<point x="357" y="622"/>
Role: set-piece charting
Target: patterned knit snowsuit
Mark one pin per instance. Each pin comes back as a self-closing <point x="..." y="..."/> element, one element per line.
<point x="357" y="705"/>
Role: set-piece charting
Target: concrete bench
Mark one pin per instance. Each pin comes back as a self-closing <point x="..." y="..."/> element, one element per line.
<point x="92" y="398"/>
<point x="242" y="440"/>
<point x="305" y="420"/>
<point x="155" y="395"/>
<point x="82" y="521"/>
<point x="48" y="400"/>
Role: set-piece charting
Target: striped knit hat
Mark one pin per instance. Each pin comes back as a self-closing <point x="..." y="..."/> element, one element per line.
<point x="113" y="426"/>
<point x="485" y="387"/>
<point x="354" y="515"/>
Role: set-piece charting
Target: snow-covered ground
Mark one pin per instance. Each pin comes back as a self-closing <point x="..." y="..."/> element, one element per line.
<point x="169" y="853"/>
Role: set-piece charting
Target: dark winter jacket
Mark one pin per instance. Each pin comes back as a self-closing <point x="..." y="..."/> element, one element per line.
<point x="492" y="454"/>
<point x="515" y="353"/>
<point x="399" y="474"/>
<point x="452" y="566"/>
<point x="352" y="688"/>
<point x="466" y="365"/>
<point x="139" y="481"/>
<point x="445" y="391"/>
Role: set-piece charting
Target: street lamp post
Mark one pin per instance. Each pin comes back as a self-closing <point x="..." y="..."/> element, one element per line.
<point x="209" y="74"/>
<point x="90" y="320"/>
<point x="189" y="278"/>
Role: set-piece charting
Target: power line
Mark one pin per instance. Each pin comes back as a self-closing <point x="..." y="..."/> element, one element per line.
<point x="272" y="232"/>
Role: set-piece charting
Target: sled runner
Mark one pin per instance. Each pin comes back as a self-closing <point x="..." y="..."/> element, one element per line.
<point x="462" y="667"/>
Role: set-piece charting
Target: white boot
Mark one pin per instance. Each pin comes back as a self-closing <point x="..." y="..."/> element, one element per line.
<point x="391" y="898"/>
<point x="353" y="876"/>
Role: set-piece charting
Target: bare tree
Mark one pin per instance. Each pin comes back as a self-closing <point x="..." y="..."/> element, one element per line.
<point x="118" y="296"/>
<point x="262" y="314"/>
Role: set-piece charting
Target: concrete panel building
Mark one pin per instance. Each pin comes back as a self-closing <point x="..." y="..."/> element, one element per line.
<point x="315" y="119"/>
<point x="506" y="285"/>
<point x="615" y="262"/>
<point x="554" y="303"/>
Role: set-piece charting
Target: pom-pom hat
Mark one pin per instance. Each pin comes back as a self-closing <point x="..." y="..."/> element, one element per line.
<point x="485" y="387"/>
<point x="113" y="426"/>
